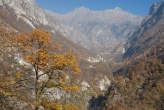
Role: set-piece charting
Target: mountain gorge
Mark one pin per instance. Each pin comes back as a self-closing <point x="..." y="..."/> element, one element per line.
<point x="139" y="84"/>
<point x="99" y="31"/>
<point x="98" y="40"/>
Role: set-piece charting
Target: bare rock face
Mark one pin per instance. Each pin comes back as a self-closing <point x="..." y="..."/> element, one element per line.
<point x="26" y="9"/>
<point x="150" y="32"/>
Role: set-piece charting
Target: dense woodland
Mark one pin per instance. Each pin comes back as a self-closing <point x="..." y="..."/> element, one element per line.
<point x="138" y="86"/>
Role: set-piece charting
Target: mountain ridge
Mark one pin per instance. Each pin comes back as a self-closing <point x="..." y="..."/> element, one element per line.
<point x="100" y="31"/>
<point x="150" y="32"/>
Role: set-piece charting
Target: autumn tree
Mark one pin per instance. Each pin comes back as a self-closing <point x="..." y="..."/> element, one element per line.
<point x="43" y="55"/>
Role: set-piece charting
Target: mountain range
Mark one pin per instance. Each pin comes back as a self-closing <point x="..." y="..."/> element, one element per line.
<point x="99" y="40"/>
<point x="101" y="32"/>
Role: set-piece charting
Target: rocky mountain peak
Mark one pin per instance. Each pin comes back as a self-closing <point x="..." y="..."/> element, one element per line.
<point x="149" y="33"/>
<point x="20" y="3"/>
<point x="118" y="9"/>
<point x="82" y="8"/>
<point x="156" y="7"/>
<point x="156" y="12"/>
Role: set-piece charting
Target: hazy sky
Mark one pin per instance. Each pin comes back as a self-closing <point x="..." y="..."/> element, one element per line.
<point x="139" y="7"/>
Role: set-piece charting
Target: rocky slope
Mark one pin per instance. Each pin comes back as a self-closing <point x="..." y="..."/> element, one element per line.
<point x="149" y="34"/>
<point x="88" y="84"/>
<point x="26" y="15"/>
<point x="26" y="10"/>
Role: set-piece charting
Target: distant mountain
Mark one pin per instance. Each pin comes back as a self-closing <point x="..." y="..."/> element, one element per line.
<point x="150" y="34"/>
<point x="100" y="31"/>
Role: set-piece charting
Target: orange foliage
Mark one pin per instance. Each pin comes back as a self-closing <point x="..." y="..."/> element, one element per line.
<point x="41" y="52"/>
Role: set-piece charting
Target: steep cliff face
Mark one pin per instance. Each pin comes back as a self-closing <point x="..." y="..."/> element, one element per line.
<point x="26" y="15"/>
<point x="150" y="33"/>
<point x="26" y="9"/>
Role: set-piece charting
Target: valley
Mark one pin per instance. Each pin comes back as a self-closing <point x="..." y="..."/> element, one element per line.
<point x="81" y="60"/>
